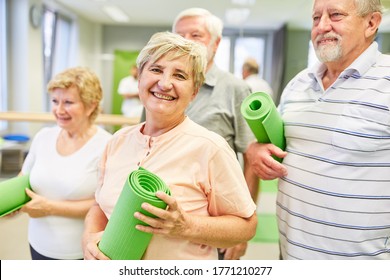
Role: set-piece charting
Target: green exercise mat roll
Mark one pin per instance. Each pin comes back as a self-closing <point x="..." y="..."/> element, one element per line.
<point x="13" y="194"/>
<point x="121" y="240"/>
<point x="263" y="118"/>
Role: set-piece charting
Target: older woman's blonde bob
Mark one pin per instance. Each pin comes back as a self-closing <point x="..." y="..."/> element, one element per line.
<point x="173" y="46"/>
<point x="87" y="83"/>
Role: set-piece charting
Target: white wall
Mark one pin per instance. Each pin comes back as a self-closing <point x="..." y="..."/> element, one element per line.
<point x="25" y="68"/>
<point x="25" y="73"/>
<point x="94" y="47"/>
<point x="124" y="38"/>
<point x="89" y="41"/>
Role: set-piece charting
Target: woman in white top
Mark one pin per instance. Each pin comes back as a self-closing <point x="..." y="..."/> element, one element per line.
<point x="62" y="165"/>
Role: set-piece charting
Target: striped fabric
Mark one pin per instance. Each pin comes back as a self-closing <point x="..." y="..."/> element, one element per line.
<point x="335" y="201"/>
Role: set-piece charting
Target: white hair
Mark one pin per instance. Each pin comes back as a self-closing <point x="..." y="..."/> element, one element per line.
<point x="213" y="24"/>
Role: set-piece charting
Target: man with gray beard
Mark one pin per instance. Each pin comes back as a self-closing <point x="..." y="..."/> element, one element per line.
<point x="334" y="182"/>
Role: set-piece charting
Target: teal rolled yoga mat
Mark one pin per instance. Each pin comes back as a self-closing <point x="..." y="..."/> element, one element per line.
<point x="13" y="194"/>
<point x="121" y="240"/>
<point x="263" y="118"/>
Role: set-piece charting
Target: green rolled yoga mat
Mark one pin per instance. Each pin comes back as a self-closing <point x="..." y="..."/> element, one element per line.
<point x="263" y="118"/>
<point x="13" y="194"/>
<point x="121" y="240"/>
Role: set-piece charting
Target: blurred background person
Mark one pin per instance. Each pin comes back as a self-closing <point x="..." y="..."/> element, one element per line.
<point x="62" y="164"/>
<point x="128" y="89"/>
<point x="250" y="73"/>
<point x="210" y="206"/>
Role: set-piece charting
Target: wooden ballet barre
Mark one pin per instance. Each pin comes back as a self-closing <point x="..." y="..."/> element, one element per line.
<point x="105" y="119"/>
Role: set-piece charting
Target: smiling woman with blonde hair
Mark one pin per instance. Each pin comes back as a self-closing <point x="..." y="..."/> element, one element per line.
<point x="210" y="206"/>
<point x="62" y="165"/>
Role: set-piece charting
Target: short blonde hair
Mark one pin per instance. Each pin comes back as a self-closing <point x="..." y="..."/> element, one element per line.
<point x="87" y="83"/>
<point x="174" y="46"/>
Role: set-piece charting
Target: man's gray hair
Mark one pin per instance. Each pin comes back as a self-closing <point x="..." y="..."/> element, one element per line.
<point x="364" y="7"/>
<point x="213" y="24"/>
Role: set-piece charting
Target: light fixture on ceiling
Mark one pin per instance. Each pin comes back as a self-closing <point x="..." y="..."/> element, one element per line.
<point x="237" y="15"/>
<point x="115" y="13"/>
<point x="244" y="2"/>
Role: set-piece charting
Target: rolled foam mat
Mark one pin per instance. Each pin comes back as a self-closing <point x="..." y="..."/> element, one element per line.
<point x="13" y="194"/>
<point x="121" y="240"/>
<point x="264" y="120"/>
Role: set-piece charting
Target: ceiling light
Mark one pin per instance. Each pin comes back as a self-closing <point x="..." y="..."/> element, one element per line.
<point x="115" y="13"/>
<point x="244" y="2"/>
<point x="237" y="16"/>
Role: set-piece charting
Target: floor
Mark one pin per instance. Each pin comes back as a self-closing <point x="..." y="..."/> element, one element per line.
<point x="264" y="246"/>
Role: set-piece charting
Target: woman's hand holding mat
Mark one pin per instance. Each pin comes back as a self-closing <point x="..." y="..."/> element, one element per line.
<point x="13" y="194"/>
<point x="121" y="240"/>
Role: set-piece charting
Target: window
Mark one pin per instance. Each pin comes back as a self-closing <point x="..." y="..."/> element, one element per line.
<point x="3" y="64"/>
<point x="235" y="48"/>
<point x="312" y="57"/>
<point x="49" y="22"/>
<point x="222" y="57"/>
<point x="248" y="47"/>
<point x="62" y="44"/>
<point x="57" y="31"/>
